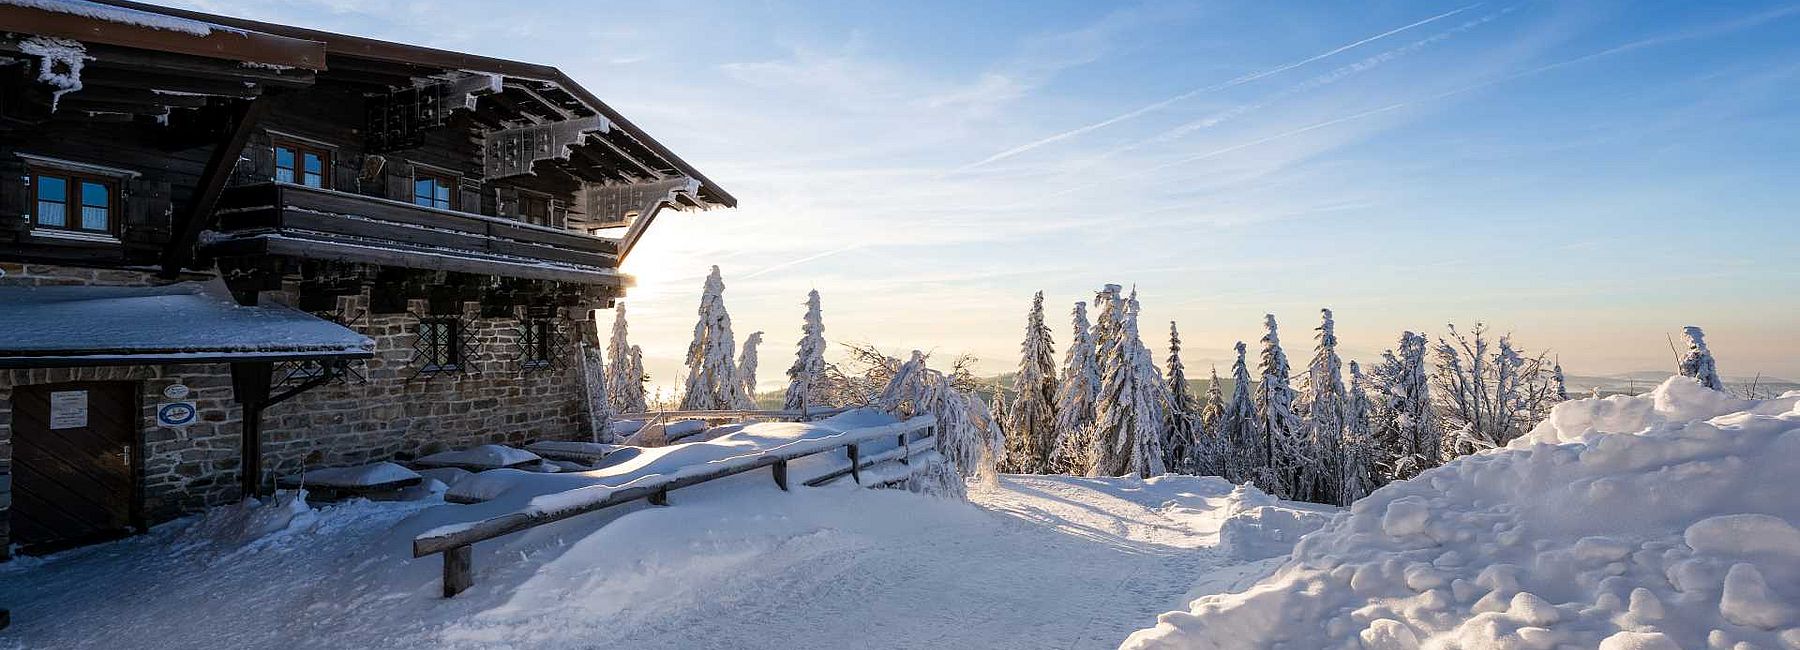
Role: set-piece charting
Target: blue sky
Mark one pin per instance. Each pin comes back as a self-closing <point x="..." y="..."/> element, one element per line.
<point x="1589" y="176"/>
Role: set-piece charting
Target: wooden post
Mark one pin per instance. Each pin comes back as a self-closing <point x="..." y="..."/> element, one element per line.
<point x="658" y="498"/>
<point x="459" y="567"/>
<point x="780" y="469"/>
<point x="250" y="385"/>
<point x="905" y="451"/>
<point x="855" y="463"/>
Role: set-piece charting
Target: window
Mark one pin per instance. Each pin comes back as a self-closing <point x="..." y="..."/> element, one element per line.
<point x="534" y="209"/>
<point x="74" y="201"/>
<point x="440" y="343"/>
<point x="434" y="190"/>
<point x="302" y="164"/>
<point x="538" y="342"/>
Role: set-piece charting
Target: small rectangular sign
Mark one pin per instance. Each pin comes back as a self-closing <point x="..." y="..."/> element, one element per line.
<point x="68" y="409"/>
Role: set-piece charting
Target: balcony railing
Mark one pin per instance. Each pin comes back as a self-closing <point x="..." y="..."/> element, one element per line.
<point x="307" y="222"/>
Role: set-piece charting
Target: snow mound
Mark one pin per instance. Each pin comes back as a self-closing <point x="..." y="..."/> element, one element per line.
<point x="1664" y="520"/>
<point x="247" y="525"/>
<point x="479" y="458"/>
<point x="1267" y="531"/>
<point x="383" y="473"/>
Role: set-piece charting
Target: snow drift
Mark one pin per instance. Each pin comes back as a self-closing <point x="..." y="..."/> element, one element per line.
<point x="1665" y="520"/>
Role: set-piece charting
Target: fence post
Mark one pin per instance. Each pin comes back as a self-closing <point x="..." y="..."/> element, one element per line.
<point x="659" y="497"/>
<point x="855" y="463"/>
<point x="780" y="469"/>
<point x="459" y="574"/>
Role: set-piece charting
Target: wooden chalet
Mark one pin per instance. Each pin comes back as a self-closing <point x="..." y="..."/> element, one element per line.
<point x="232" y="250"/>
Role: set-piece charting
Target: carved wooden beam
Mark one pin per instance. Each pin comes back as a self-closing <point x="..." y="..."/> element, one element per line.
<point x="511" y="152"/>
<point x="199" y="213"/>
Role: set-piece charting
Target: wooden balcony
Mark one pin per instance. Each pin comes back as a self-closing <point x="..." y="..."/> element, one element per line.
<point x="288" y="220"/>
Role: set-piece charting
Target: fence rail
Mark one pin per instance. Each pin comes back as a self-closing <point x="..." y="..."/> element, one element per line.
<point x="456" y="542"/>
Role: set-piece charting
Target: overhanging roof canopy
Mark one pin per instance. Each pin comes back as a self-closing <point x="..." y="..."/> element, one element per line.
<point x="180" y="323"/>
<point x="92" y="22"/>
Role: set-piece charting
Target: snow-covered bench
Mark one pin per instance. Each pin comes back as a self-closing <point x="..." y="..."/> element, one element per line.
<point x="333" y="483"/>
<point x="455" y="541"/>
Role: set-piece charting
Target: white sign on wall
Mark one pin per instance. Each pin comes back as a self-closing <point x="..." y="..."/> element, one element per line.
<point x="68" y="409"/>
<point x="176" y="414"/>
<point x="175" y="391"/>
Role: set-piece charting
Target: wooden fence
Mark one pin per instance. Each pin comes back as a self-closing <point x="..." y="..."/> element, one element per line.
<point x="456" y="542"/>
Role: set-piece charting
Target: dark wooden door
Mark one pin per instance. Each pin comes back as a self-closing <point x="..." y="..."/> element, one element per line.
<point x="72" y="463"/>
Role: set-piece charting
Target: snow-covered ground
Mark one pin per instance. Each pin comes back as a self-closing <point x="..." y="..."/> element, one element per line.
<point x="1656" y="522"/>
<point x="1030" y="562"/>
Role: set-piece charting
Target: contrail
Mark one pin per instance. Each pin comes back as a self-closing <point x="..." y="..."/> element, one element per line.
<point x="1197" y="91"/>
<point x="1703" y="32"/>
<point x="802" y="260"/>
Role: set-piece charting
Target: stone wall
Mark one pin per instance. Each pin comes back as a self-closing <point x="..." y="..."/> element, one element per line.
<point x="388" y="410"/>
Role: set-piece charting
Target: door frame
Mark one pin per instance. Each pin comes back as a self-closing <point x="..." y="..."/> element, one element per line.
<point x="135" y="520"/>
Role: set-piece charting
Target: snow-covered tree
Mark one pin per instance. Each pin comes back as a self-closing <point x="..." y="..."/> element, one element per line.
<point x="968" y="439"/>
<point x="1323" y="406"/>
<point x="1358" y="475"/>
<point x="1211" y="449"/>
<point x="1405" y="427"/>
<point x="713" y="382"/>
<point x="1559" y="386"/>
<point x="593" y="381"/>
<point x="624" y="386"/>
<point x="1179" y="440"/>
<point x="1484" y="401"/>
<point x="1237" y="429"/>
<point x="1283" y="433"/>
<point x="747" y="365"/>
<point x="806" y="378"/>
<point x="1698" y="362"/>
<point x="1030" y="424"/>
<point x="1075" y="394"/>
<point x="1128" y="417"/>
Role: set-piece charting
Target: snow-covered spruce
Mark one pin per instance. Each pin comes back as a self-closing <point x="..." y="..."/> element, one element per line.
<point x="625" y="373"/>
<point x="1698" y="361"/>
<point x="1128" y="416"/>
<point x="1357" y="474"/>
<point x="1237" y="428"/>
<point x="1322" y="403"/>
<point x="712" y="380"/>
<point x="1075" y="394"/>
<point x="1178" y="434"/>
<point x="1643" y="522"/>
<point x="746" y="365"/>
<point x="1283" y="435"/>
<point x="806" y="378"/>
<point x="1211" y="449"/>
<point x="1407" y="438"/>
<point x="1030" y="421"/>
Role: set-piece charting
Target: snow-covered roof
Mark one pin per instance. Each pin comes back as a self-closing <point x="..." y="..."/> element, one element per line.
<point x="188" y="322"/>
<point x="125" y="16"/>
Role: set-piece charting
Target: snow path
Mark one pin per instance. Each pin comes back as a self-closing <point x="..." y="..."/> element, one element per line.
<point x="1033" y="562"/>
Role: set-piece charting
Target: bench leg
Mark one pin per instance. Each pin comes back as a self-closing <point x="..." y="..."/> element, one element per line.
<point x="780" y="469"/>
<point x="458" y="570"/>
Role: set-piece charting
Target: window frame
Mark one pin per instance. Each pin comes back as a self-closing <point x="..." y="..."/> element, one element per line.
<point x="74" y="219"/>
<point x="450" y="182"/>
<point x="441" y="353"/>
<point x="527" y="198"/>
<point x="301" y="148"/>
<point x="538" y="340"/>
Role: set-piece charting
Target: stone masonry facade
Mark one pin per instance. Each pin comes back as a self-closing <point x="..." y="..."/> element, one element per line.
<point x="386" y="410"/>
